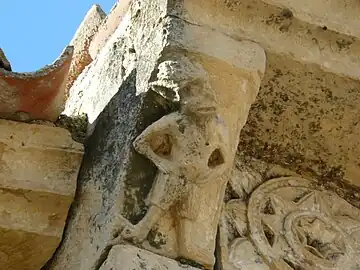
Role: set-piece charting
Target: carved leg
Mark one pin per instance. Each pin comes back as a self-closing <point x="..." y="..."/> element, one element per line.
<point x="167" y="189"/>
<point x="139" y="232"/>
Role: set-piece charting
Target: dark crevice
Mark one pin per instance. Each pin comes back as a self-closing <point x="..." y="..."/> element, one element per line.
<point x="189" y="262"/>
<point x="179" y="18"/>
<point x="216" y="158"/>
<point x="269" y="234"/>
<point x="102" y="258"/>
<point x="218" y="265"/>
<point x="292" y="265"/>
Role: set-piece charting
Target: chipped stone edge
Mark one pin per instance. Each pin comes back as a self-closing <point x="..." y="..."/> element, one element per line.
<point x="62" y="60"/>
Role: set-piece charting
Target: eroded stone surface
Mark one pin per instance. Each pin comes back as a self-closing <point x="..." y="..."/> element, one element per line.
<point x="305" y="120"/>
<point x="194" y="148"/>
<point x="38" y="170"/>
<point x="108" y="27"/>
<point x="278" y="31"/>
<point x="4" y="63"/>
<point x="340" y="16"/>
<point x="151" y="41"/>
<point x="125" y="257"/>
<point x="293" y="224"/>
<point x="108" y="71"/>
<point x="120" y="76"/>
<point x="81" y="42"/>
<point x="36" y="95"/>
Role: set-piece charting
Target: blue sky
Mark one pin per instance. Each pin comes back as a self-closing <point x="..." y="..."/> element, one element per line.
<point x="34" y="33"/>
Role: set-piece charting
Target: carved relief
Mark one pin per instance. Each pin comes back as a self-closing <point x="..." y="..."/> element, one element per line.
<point x="194" y="151"/>
<point x="188" y="147"/>
<point x="293" y="225"/>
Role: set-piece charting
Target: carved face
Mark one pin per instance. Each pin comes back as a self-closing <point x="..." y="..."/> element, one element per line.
<point x="198" y="99"/>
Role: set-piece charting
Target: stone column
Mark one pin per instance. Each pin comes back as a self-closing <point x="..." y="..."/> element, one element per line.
<point x="161" y="149"/>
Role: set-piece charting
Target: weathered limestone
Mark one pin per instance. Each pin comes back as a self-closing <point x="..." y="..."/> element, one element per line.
<point x="306" y="120"/>
<point x="108" y="71"/>
<point x="340" y="16"/>
<point x="35" y="95"/>
<point x="292" y="222"/>
<point x="306" y="41"/>
<point x="81" y="43"/>
<point x="4" y="63"/>
<point x="195" y="147"/>
<point x="176" y="81"/>
<point x="153" y="63"/>
<point x="109" y="26"/>
<point x="305" y="116"/>
<point x="120" y="76"/>
<point x="38" y="169"/>
<point x="128" y="257"/>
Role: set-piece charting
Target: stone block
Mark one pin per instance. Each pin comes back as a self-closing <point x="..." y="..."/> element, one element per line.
<point x="81" y="42"/>
<point x="304" y="38"/>
<point x="126" y="257"/>
<point x="38" y="171"/>
<point x="340" y="16"/>
<point x="108" y="27"/>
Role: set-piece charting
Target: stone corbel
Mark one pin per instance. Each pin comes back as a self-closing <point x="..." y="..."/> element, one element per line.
<point x="194" y="148"/>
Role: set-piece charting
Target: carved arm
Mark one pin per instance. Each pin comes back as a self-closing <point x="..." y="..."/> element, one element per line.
<point x="166" y="125"/>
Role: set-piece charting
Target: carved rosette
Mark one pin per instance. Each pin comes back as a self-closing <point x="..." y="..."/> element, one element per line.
<point x="295" y="225"/>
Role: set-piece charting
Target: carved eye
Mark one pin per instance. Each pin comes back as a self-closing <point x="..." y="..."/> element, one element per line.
<point x="216" y="158"/>
<point x="161" y="144"/>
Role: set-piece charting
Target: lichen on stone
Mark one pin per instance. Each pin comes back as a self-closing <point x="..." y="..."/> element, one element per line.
<point x="77" y="125"/>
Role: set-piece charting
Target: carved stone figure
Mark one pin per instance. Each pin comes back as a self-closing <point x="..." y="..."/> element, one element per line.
<point x="189" y="149"/>
<point x="194" y="151"/>
<point x="294" y="225"/>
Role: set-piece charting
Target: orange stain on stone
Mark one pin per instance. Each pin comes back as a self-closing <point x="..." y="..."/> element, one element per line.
<point x="40" y="93"/>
